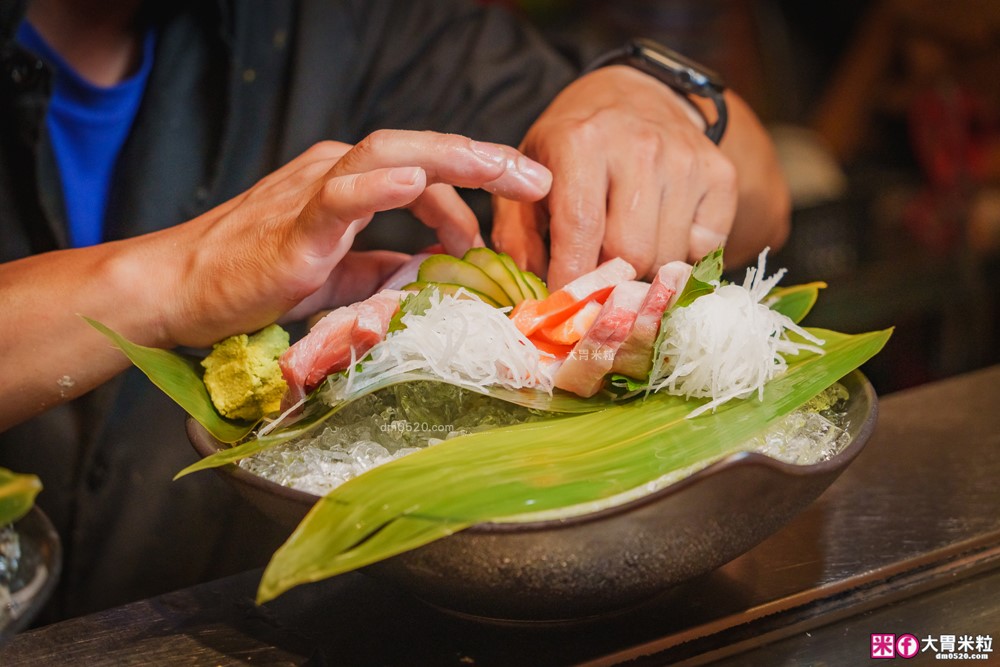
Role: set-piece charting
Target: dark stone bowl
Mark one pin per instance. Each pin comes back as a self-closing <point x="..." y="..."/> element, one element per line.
<point x="606" y="561"/>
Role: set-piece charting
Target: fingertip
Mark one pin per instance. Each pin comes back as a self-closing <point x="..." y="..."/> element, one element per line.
<point x="561" y="272"/>
<point x="523" y="179"/>
<point x="535" y="174"/>
<point x="704" y="240"/>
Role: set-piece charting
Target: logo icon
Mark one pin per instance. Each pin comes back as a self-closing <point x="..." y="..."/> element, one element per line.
<point x="907" y="646"/>
<point x="884" y="646"/>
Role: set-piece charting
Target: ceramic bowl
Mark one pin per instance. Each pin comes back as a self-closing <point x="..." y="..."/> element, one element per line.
<point x="605" y="561"/>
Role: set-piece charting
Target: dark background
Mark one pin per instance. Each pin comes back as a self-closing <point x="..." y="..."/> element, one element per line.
<point x="887" y="119"/>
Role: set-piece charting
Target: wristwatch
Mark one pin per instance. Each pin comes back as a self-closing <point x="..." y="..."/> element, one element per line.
<point x="680" y="73"/>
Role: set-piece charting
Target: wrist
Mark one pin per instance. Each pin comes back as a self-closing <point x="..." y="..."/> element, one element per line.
<point x="144" y="287"/>
<point x="697" y="84"/>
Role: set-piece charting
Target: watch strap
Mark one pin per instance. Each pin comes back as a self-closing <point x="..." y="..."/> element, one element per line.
<point x="676" y="71"/>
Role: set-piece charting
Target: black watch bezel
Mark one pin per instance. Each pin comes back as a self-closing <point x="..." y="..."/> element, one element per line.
<point x="675" y="70"/>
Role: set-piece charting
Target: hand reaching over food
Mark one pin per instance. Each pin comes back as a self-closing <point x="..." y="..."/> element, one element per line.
<point x="279" y="249"/>
<point x="303" y="219"/>
<point x="635" y="176"/>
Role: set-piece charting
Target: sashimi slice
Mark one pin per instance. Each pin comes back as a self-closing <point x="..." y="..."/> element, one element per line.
<point x="635" y="357"/>
<point x="610" y="273"/>
<point x="557" y="350"/>
<point x="573" y="328"/>
<point x="532" y="314"/>
<point x="583" y="371"/>
<point x="330" y="344"/>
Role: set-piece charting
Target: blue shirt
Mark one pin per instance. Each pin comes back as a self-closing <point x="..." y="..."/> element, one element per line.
<point x="87" y="126"/>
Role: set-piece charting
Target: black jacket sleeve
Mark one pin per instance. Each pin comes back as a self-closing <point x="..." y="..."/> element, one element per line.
<point x="446" y="65"/>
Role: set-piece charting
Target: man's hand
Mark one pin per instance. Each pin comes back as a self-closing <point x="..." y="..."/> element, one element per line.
<point x="635" y="177"/>
<point x="282" y="246"/>
<point x="260" y="255"/>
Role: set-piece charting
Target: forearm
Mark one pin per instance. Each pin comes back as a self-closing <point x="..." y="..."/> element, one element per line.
<point x="50" y="354"/>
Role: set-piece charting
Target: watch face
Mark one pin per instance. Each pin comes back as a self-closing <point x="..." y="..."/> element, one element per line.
<point x="684" y="72"/>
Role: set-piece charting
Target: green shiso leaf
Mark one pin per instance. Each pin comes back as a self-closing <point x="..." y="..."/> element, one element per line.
<point x="518" y="470"/>
<point x="17" y="495"/>
<point x="180" y="378"/>
<point x="704" y="274"/>
<point x="795" y="301"/>
<point x="416" y="304"/>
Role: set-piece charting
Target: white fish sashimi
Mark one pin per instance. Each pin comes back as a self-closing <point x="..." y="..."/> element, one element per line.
<point x="610" y="273"/>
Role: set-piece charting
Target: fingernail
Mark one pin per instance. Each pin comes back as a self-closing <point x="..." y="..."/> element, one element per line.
<point x="706" y="238"/>
<point x="534" y="173"/>
<point x="478" y="242"/>
<point x="490" y="152"/>
<point x="404" y="175"/>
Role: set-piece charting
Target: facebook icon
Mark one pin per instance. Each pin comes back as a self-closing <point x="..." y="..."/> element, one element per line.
<point x="907" y="646"/>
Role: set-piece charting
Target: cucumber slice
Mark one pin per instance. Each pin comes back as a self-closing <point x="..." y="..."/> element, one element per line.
<point x="515" y="271"/>
<point x="451" y="288"/>
<point x="495" y="268"/>
<point x="535" y="284"/>
<point x="455" y="271"/>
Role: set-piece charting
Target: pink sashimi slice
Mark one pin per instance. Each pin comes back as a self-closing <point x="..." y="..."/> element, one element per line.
<point x="635" y="357"/>
<point x="330" y="344"/>
<point x="583" y="371"/>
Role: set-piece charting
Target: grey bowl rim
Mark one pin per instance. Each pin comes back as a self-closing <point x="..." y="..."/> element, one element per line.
<point x="202" y="445"/>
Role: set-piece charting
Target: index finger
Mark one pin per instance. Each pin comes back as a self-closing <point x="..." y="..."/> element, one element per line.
<point x="578" y="213"/>
<point x="452" y="159"/>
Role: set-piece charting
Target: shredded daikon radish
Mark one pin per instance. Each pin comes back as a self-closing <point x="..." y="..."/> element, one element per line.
<point x="461" y="340"/>
<point x="728" y="344"/>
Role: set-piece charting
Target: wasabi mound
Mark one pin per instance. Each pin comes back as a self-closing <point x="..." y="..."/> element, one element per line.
<point x="242" y="374"/>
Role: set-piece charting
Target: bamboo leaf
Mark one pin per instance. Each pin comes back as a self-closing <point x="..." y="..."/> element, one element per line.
<point x="795" y="301"/>
<point x="539" y="466"/>
<point x="17" y="495"/>
<point x="559" y="402"/>
<point x="180" y="378"/>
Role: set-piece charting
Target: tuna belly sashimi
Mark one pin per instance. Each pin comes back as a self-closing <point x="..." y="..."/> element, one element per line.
<point x="329" y="346"/>
<point x="583" y="371"/>
<point x="635" y="357"/>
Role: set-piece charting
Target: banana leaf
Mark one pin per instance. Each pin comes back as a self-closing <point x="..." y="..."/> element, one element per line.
<point x="17" y="495"/>
<point x="180" y="378"/>
<point x="515" y="471"/>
